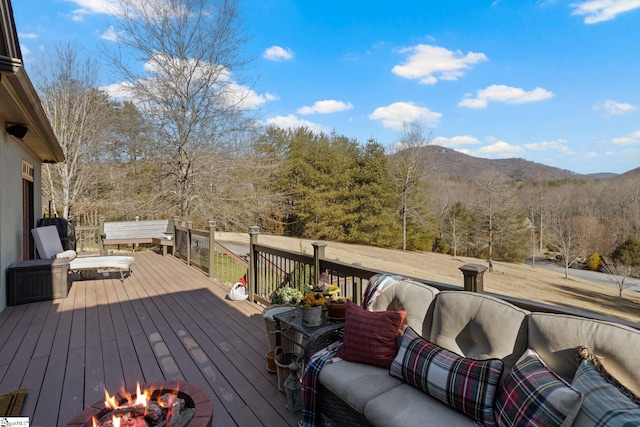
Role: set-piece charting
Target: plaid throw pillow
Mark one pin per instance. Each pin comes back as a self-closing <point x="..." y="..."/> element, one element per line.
<point x="534" y="395"/>
<point x="465" y="384"/>
<point x="603" y="404"/>
<point x="370" y="336"/>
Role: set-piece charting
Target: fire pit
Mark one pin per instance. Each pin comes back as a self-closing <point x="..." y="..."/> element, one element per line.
<point x="167" y="404"/>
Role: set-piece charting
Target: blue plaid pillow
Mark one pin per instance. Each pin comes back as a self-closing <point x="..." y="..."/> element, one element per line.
<point x="465" y="384"/>
<point x="603" y="404"/>
<point x="534" y="395"/>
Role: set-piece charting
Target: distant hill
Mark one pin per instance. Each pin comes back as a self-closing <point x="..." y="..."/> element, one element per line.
<point x="453" y="163"/>
<point x="633" y="173"/>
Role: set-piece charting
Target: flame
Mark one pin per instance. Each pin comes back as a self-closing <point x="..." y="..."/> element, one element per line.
<point x="110" y="401"/>
<point x="142" y="398"/>
<point x="116" y="421"/>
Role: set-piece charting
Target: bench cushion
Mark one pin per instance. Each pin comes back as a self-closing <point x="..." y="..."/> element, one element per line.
<point x="406" y="406"/>
<point x="356" y="383"/>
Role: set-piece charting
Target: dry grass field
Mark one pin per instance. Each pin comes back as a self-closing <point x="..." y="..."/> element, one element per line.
<point x="516" y="280"/>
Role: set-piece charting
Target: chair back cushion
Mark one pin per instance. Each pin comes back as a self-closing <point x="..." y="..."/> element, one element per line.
<point x="47" y="241"/>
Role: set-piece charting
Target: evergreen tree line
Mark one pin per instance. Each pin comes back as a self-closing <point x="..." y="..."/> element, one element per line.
<point x="329" y="187"/>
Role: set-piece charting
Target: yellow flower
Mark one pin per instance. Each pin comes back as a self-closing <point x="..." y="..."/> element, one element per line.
<point x="313" y="299"/>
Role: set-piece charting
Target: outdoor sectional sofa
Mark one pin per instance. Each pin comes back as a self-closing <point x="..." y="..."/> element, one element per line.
<point x="490" y="361"/>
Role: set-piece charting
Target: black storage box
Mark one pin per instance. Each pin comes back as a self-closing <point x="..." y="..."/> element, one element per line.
<point x="37" y="280"/>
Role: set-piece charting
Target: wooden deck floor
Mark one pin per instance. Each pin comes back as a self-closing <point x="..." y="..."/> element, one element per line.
<point x="165" y="322"/>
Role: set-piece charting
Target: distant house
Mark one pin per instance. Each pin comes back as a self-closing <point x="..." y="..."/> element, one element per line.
<point x="26" y="141"/>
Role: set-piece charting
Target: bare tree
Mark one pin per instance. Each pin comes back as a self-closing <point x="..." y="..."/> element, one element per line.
<point x="565" y="228"/>
<point x="407" y="166"/>
<point x="78" y="113"/>
<point x="185" y="54"/>
<point x="618" y="273"/>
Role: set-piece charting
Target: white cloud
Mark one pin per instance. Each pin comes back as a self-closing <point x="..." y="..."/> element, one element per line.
<point x="499" y="149"/>
<point x="94" y="6"/>
<point x="25" y="50"/>
<point x="122" y="91"/>
<point x="293" y="122"/>
<point x="596" y="11"/>
<point x="394" y="116"/>
<point x="631" y="139"/>
<point x="505" y="94"/>
<point x="327" y="106"/>
<point x="277" y="53"/>
<point x="29" y="36"/>
<point x="111" y="35"/>
<point x="271" y="97"/>
<point x="455" y="141"/>
<point x="243" y="97"/>
<point x="429" y="63"/>
<point x="559" y="145"/>
<point x="613" y="108"/>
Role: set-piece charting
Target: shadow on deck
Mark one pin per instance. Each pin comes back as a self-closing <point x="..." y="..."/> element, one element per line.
<point x="165" y="322"/>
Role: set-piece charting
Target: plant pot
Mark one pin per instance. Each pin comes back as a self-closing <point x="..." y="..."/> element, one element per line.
<point x="312" y="316"/>
<point x="336" y="311"/>
<point x="271" y="362"/>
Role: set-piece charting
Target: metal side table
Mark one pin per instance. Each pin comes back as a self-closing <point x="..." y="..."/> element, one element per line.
<point x="314" y="338"/>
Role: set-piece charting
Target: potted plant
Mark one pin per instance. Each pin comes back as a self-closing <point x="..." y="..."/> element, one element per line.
<point x="282" y="299"/>
<point x="312" y="309"/>
<point x="286" y="295"/>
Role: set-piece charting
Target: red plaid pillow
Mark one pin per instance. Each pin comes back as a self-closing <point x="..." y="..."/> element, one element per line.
<point x="370" y="336"/>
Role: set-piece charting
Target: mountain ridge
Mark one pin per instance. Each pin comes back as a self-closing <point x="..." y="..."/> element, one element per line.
<point x="447" y="161"/>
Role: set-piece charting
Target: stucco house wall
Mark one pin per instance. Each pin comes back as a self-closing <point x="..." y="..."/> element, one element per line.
<point x="19" y="104"/>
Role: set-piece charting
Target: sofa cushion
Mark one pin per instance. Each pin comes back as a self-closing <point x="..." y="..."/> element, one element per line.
<point x="370" y="337"/>
<point x="478" y="326"/>
<point x="411" y="296"/>
<point x="356" y="383"/>
<point x="533" y="395"/>
<point x="465" y="384"/>
<point x="603" y="404"/>
<point x="406" y="406"/>
<point x="555" y="338"/>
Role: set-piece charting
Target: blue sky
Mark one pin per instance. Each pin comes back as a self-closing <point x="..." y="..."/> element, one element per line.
<point x="551" y="81"/>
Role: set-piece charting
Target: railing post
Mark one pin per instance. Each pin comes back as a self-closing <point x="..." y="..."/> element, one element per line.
<point x="252" y="280"/>
<point x="212" y="248"/>
<point x="101" y="235"/>
<point x="318" y="254"/>
<point x="189" y="225"/>
<point x="473" y="280"/>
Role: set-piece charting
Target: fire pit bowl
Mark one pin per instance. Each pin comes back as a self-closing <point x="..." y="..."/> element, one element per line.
<point x="194" y="396"/>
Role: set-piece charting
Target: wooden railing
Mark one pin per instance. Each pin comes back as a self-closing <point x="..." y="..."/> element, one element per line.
<point x="269" y="268"/>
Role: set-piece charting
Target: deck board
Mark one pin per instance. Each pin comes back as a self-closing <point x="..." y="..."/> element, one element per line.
<point x="166" y="321"/>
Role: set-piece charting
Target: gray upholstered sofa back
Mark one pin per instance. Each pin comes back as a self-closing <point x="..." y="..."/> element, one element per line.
<point x="414" y="297"/>
<point x="478" y="326"/>
<point x="555" y="338"/>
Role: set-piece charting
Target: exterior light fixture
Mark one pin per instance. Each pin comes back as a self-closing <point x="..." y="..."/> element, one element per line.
<point x="19" y="131"/>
